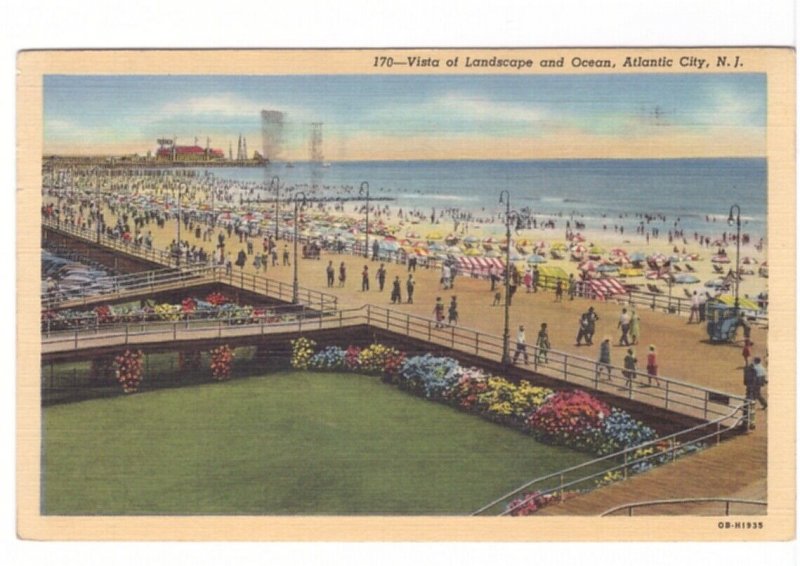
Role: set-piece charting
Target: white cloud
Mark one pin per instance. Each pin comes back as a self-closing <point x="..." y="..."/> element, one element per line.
<point x="227" y="105"/>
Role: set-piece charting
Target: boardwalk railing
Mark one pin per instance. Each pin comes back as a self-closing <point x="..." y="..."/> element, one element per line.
<point x="116" y="287"/>
<point x="725" y="503"/>
<point x="614" y="467"/>
<point x="129" y="247"/>
<point x="217" y="274"/>
<point x="670" y="393"/>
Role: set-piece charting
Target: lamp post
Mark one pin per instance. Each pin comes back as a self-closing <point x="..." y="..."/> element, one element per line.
<point x="738" y="220"/>
<point x="277" y="182"/>
<point x="298" y="196"/>
<point x="178" y="254"/>
<point x="97" y="209"/>
<point x="364" y="190"/>
<point x="505" y="197"/>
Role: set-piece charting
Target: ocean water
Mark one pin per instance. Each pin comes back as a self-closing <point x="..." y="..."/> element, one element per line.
<point x="597" y="191"/>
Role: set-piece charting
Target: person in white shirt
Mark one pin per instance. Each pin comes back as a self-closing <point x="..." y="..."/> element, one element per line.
<point x="521" y="347"/>
<point x="624" y="325"/>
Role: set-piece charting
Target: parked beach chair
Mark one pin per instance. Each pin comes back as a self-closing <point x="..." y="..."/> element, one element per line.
<point x="654" y="289"/>
<point x="677" y="268"/>
<point x="688" y="293"/>
<point x="718" y="268"/>
<point x="689" y="267"/>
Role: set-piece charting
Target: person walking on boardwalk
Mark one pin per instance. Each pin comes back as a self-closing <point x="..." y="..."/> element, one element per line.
<point x="586" y="329"/>
<point x="636" y="326"/>
<point x="342" y="274"/>
<point x="630" y="368"/>
<point x="445" y="277"/>
<point x="410" y="284"/>
<point x="438" y="312"/>
<point x="754" y="380"/>
<point x="365" y="279"/>
<point x="604" y="361"/>
<point x="380" y="275"/>
<point x="747" y="351"/>
<point x="452" y="311"/>
<point x="542" y="344"/>
<point x="330" y="272"/>
<point x="521" y="347"/>
<point x="535" y="276"/>
<point x="572" y="287"/>
<point x="559" y="290"/>
<point x="759" y="382"/>
<point x="652" y="366"/>
<point x="694" y="312"/>
<point x="624" y="326"/>
<point x="396" y="299"/>
<point x="527" y="280"/>
<point x="286" y="255"/>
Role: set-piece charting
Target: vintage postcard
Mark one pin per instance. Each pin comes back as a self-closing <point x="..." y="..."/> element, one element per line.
<point x="406" y="294"/>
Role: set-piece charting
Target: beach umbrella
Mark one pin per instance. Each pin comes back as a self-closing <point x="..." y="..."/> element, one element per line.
<point x="514" y="255"/>
<point x="637" y="256"/>
<point x="412" y="235"/>
<point x="472" y="239"/>
<point x="473" y="252"/>
<point x="715" y="283"/>
<point x="588" y="266"/>
<point x="492" y="254"/>
<point x="434" y="235"/>
<point x="720" y="259"/>
<point x="536" y="259"/>
<point x="686" y="278"/>
<point x="748" y="260"/>
<point x="435" y="247"/>
<point x="451" y="239"/>
<point x="596" y="250"/>
<point x="455" y="250"/>
<point x="607" y="268"/>
<point x="558" y="246"/>
<point x="490" y="240"/>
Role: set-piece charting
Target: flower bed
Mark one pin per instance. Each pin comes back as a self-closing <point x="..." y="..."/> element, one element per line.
<point x="129" y="370"/>
<point x="221" y="360"/>
<point x="215" y="307"/>
<point x="574" y="419"/>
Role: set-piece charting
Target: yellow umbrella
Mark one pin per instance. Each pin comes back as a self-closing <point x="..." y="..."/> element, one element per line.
<point x="434" y="235"/>
<point x="744" y="303"/>
<point x="473" y="252"/>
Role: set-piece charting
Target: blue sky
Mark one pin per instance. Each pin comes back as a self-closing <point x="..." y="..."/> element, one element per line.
<point x="418" y="116"/>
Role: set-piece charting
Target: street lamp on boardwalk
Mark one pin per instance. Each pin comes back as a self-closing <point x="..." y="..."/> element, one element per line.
<point x="277" y="182"/>
<point x="96" y="209"/>
<point x="738" y="221"/>
<point x="516" y="217"/>
<point x="298" y="197"/>
<point x="364" y="190"/>
<point x="178" y="244"/>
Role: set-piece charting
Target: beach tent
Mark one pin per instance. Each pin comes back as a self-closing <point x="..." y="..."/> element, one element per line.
<point x="605" y="287"/>
<point x="720" y="259"/>
<point x="478" y="266"/>
<point x="536" y="259"/>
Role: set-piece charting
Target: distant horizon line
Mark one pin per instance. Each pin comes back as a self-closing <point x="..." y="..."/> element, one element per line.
<point x="331" y="161"/>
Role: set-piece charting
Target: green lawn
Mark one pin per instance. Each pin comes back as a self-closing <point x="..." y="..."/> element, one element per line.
<point x="286" y="443"/>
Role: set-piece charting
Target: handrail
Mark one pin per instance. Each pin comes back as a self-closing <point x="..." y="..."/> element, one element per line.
<point x="254" y="282"/>
<point x="672" y="440"/>
<point x="682" y="501"/>
<point x="670" y="394"/>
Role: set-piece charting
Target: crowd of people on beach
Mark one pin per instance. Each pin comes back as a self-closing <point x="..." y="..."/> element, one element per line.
<point x="141" y="201"/>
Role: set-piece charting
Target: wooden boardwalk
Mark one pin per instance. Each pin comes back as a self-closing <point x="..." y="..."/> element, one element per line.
<point x="736" y="467"/>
